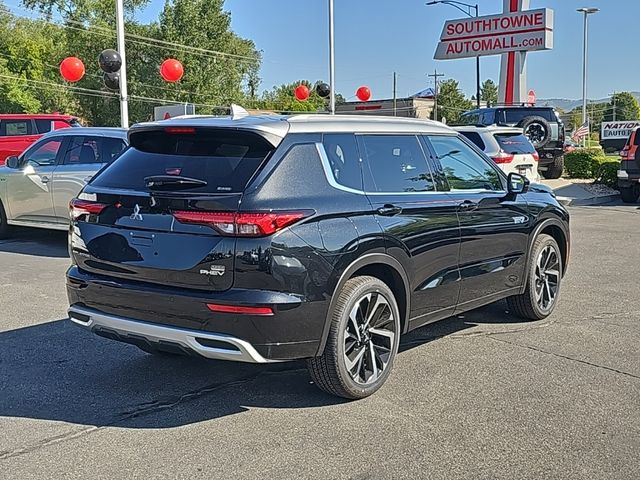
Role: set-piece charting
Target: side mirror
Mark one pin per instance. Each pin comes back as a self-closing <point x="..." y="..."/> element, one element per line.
<point x="12" y="162"/>
<point x="517" y="183"/>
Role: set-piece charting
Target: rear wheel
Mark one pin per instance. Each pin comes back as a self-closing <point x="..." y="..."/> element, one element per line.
<point x="4" y="226"/>
<point x="544" y="274"/>
<point x="630" y="194"/>
<point x="363" y="340"/>
<point x="554" y="169"/>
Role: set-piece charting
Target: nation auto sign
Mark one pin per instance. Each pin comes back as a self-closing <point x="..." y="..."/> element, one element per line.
<point x="618" y="130"/>
<point x="528" y="30"/>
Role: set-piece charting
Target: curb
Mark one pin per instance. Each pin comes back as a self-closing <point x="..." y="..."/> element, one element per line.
<point x="582" y="202"/>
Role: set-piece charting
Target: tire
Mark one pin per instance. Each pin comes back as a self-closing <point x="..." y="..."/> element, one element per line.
<point x="351" y="340"/>
<point x="629" y="194"/>
<point x="537" y="129"/>
<point x="530" y="304"/>
<point x="4" y="226"/>
<point x="554" y="169"/>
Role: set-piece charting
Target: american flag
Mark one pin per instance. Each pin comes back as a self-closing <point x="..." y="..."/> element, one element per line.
<point x="581" y="132"/>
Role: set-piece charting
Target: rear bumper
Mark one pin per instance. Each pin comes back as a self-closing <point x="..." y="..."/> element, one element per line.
<point x="130" y="311"/>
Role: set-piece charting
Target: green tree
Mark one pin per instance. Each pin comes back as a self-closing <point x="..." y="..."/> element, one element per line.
<point x="282" y="99"/>
<point x="627" y="107"/>
<point x="451" y="101"/>
<point x="489" y="92"/>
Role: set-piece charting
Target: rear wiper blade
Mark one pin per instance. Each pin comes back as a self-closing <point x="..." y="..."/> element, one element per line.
<point x="166" y="182"/>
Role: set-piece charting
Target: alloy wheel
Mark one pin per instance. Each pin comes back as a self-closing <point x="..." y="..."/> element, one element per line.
<point x="369" y="338"/>
<point x="536" y="132"/>
<point x="547" y="277"/>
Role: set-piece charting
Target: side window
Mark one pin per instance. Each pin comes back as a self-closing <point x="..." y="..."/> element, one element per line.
<point x="344" y="159"/>
<point x="82" y="150"/>
<point x="489" y="117"/>
<point x="45" y="153"/>
<point x="12" y="128"/>
<point x="43" y="126"/>
<point x="111" y="148"/>
<point x="464" y="168"/>
<point x="475" y="138"/>
<point x="397" y="164"/>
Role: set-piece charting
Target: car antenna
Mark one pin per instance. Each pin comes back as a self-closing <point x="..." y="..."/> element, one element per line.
<point x="238" y="112"/>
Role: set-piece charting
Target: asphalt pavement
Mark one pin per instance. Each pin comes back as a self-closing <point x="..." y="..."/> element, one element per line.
<point x="480" y="396"/>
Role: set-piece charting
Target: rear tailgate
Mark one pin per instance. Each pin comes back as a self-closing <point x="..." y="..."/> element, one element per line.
<point x="128" y="227"/>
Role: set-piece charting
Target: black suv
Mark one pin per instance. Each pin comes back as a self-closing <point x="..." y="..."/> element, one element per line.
<point x="542" y="125"/>
<point x="265" y="239"/>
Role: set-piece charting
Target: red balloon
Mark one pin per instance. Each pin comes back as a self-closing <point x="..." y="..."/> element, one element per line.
<point x="72" y="69"/>
<point x="363" y="93"/>
<point x="171" y="70"/>
<point x="302" y="92"/>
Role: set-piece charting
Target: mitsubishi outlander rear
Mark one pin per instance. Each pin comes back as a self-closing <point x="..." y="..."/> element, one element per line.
<point x="266" y="239"/>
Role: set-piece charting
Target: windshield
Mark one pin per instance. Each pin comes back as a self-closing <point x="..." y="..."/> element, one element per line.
<point x="218" y="161"/>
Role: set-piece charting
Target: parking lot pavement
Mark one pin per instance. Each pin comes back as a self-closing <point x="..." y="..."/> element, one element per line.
<point x="478" y="396"/>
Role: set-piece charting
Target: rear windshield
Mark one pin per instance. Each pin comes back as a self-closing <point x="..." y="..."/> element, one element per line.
<point x="226" y="160"/>
<point x="514" y="143"/>
<point x="516" y="115"/>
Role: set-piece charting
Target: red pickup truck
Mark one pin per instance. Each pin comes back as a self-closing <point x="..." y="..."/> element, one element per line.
<point x="19" y="131"/>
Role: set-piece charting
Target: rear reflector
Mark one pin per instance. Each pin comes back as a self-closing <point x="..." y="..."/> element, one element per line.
<point x="263" y="311"/>
<point x="78" y="208"/>
<point x="256" y="224"/>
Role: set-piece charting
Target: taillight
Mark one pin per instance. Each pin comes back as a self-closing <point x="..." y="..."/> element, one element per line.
<point x="242" y="310"/>
<point x="503" y="157"/>
<point x="78" y="208"/>
<point x="535" y="156"/>
<point x="242" y="224"/>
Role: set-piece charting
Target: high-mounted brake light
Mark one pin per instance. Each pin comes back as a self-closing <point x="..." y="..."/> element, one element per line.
<point x="255" y="224"/>
<point x="78" y="208"/>
<point x="503" y="157"/>
<point x="262" y="311"/>
<point x="179" y="130"/>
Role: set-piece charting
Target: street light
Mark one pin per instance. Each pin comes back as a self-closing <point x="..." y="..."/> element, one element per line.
<point x="469" y="7"/>
<point x="586" y="11"/>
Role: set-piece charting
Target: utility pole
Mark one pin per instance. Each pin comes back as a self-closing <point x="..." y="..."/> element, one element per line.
<point x="395" y="105"/>
<point x="435" y="76"/>
<point x="613" y="99"/>
<point x="124" y="106"/>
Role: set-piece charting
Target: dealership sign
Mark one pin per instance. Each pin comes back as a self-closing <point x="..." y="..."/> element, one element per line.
<point x="617" y="130"/>
<point x="521" y="31"/>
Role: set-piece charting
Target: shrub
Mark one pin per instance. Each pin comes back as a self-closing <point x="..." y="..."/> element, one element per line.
<point x="607" y="172"/>
<point x="584" y="162"/>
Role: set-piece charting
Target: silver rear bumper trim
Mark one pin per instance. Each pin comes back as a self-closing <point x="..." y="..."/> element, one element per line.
<point x="239" y="350"/>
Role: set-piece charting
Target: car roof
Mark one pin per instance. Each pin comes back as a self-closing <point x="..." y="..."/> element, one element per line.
<point x="281" y="125"/>
<point x="35" y="116"/>
<point x="92" y="131"/>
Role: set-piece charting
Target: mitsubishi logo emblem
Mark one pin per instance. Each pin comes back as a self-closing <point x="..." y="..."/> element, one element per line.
<point x="136" y="215"/>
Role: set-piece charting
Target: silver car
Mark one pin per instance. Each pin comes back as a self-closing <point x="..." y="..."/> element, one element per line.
<point x="36" y="187"/>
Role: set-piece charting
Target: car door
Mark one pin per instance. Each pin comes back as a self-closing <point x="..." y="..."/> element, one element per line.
<point x="29" y="193"/>
<point x="420" y="224"/>
<point x="82" y="158"/>
<point x="494" y="226"/>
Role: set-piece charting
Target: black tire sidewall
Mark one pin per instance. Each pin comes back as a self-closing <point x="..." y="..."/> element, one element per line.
<point x="4" y="226"/>
<point x="540" y="243"/>
<point x="372" y="285"/>
<point x="630" y="194"/>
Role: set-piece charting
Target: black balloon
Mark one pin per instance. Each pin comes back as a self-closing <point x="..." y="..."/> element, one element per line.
<point x="110" y="61"/>
<point x="112" y="80"/>
<point x="323" y="90"/>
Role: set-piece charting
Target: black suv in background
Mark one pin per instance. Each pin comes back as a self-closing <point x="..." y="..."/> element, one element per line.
<point x="542" y="125"/>
<point x="265" y="239"/>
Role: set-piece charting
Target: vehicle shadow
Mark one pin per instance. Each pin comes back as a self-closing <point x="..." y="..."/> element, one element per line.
<point x="37" y="242"/>
<point x="57" y="371"/>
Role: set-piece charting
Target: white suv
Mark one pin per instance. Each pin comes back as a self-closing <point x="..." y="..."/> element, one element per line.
<point x="507" y="146"/>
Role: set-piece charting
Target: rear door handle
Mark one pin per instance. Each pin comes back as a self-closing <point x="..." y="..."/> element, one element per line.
<point x="468" y="206"/>
<point x="389" y="210"/>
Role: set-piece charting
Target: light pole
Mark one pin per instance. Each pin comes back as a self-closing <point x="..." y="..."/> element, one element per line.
<point x="332" y="65"/>
<point x="586" y="11"/>
<point x="124" y="106"/>
<point x="469" y="7"/>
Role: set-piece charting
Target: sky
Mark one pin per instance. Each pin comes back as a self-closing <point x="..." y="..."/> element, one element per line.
<point x="374" y="38"/>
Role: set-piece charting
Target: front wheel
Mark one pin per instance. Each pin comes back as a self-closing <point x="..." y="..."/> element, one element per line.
<point x="544" y="275"/>
<point x="363" y="340"/>
<point x="630" y="194"/>
<point x="4" y="226"/>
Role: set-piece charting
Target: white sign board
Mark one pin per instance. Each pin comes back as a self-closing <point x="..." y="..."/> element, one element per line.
<point x="617" y="130"/>
<point x="495" y="34"/>
<point x="165" y="112"/>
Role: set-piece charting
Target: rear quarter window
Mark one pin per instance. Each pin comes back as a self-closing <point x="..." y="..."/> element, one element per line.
<point x="225" y="159"/>
<point x="476" y="139"/>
